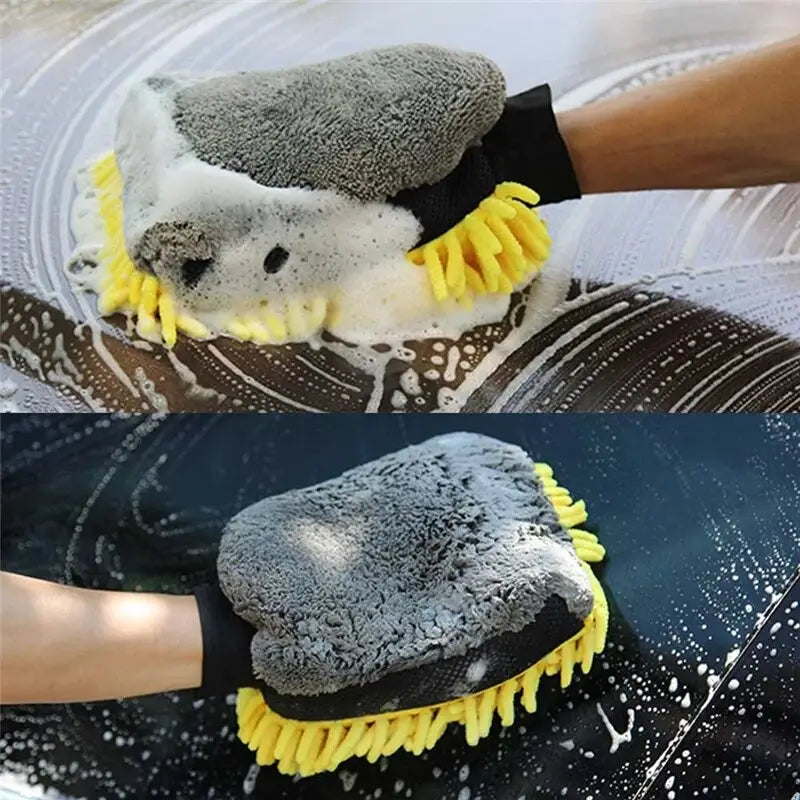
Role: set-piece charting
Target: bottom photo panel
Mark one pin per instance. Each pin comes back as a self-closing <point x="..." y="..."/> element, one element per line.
<point x="475" y="607"/>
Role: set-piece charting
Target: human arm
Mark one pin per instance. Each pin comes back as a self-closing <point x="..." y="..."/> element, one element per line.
<point x="61" y="644"/>
<point x="732" y="123"/>
<point x="64" y="644"/>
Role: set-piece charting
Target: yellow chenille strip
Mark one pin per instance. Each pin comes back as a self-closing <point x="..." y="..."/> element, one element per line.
<point x="125" y="288"/>
<point x="496" y="248"/>
<point x="319" y="746"/>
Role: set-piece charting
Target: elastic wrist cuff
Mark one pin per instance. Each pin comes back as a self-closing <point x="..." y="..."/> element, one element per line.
<point x="526" y="146"/>
<point x="226" y="638"/>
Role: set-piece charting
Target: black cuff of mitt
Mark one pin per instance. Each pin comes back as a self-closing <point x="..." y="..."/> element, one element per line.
<point x="526" y="146"/>
<point x="227" y="664"/>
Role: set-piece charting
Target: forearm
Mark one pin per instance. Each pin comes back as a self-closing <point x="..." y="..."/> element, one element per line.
<point x="734" y="123"/>
<point x="63" y="644"/>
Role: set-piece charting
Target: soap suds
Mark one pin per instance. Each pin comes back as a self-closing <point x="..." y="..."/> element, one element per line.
<point x="249" y="783"/>
<point x="617" y="738"/>
<point x="568" y="744"/>
<point x="476" y="671"/>
<point x="348" y="779"/>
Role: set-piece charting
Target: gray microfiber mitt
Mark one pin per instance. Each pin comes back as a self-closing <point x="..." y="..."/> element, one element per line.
<point x="420" y="556"/>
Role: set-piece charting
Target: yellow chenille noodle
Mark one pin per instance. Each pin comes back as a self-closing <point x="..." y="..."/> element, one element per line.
<point x="323" y="745"/>
<point x="497" y="248"/>
<point x="124" y="288"/>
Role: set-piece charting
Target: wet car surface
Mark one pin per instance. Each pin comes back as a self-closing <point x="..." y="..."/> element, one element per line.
<point x="659" y="301"/>
<point x="692" y="696"/>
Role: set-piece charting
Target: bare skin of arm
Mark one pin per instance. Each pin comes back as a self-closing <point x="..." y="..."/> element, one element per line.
<point x="61" y="644"/>
<point x="733" y="123"/>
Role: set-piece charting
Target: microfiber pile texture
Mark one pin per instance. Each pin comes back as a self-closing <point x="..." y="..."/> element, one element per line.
<point x="367" y="125"/>
<point x="417" y="556"/>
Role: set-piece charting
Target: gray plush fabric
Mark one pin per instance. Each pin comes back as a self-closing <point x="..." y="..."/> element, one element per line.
<point x="417" y="556"/>
<point x="171" y="243"/>
<point x="367" y="125"/>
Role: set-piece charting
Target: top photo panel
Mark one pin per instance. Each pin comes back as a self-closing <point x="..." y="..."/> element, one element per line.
<point x="396" y="206"/>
